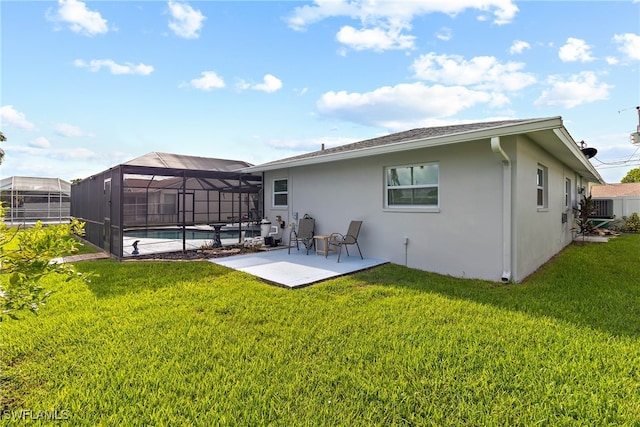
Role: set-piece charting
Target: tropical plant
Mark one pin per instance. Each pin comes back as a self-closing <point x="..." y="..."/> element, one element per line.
<point x="585" y="209"/>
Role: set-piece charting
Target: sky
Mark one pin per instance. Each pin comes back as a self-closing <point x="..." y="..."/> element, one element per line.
<point x="87" y="85"/>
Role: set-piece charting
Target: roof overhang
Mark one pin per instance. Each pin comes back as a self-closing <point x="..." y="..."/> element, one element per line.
<point x="549" y="133"/>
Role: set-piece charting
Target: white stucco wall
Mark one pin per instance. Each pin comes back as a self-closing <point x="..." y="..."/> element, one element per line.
<point x="539" y="233"/>
<point x="462" y="239"/>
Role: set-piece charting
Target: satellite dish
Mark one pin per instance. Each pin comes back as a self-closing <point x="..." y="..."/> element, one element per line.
<point x="589" y="152"/>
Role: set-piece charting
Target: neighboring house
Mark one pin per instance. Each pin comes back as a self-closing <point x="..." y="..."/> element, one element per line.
<point x="616" y="200"/>
<point x="31" y="199"/>
<point x="489" y="200"/>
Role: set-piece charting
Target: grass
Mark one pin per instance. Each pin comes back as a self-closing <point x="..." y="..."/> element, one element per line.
<point x="176" y="343"/>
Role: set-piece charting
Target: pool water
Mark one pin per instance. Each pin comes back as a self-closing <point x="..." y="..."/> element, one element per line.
<point x="190" y="234"/>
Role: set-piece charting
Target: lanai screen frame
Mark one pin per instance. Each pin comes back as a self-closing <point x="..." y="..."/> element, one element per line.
<point x="101" y="205"/>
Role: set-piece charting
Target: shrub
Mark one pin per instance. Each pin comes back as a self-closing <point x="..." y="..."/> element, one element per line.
<point x="26" y="257"/>
<point x="632" y="223"/>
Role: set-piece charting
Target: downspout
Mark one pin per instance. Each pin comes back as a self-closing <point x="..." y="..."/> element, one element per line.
<point x="506" y="208"/>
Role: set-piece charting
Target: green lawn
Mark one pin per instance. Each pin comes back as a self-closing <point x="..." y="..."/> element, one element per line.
<point x="193" y="343"/>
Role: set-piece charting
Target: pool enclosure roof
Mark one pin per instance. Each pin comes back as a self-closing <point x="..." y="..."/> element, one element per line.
<point x="35" y="184"/>
<point x="211" y="173"/>
<point x="183" y="162"/>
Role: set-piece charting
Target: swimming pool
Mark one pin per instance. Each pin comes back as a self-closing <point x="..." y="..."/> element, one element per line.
<point x="190" y="233"/>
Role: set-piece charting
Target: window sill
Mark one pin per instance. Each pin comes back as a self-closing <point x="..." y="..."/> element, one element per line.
<point x="543" y="209"/>
<point x="412" y="210"/>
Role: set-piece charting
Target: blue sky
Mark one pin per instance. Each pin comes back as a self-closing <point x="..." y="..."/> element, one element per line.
<point x="88" y="85"/>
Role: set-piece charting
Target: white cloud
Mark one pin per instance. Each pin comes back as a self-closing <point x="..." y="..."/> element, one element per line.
<point x="115" y="68"/>
<point x="80" y="19"/>
<point x="12" y="117"/>
<point x="629" y="45"/>
<point x="481" y="72"/>
<point x="209" y="80"/>
<point x="75" y="154"/>
<point x="243" y="85"/>
<point x="311" y="144"/>
<point x="186" y="22"/>
<point x="445" y="34"/>
<point x="403" y="105"/>
<point x="399" y="12"/>
<point x="60" y="153"/>
<point x="40" y="142"/>
<point x="383" y="22"/>
<point x="270" y="84"/>
<point x="519" y="46"/>
<point x="67" y="130"/>
<point x="575" y="50"/>
<point x="377" y="39"/>
<point x="35" y="159"/>
<point x="579" y="89"/>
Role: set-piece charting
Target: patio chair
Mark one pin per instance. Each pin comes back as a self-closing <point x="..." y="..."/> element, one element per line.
<point x="303" y="234"/>
<point x="351" y="238"/>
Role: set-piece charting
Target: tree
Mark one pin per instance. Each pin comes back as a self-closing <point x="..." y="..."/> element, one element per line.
<point x="2" y="139"/>
<point x="632" y="176"/>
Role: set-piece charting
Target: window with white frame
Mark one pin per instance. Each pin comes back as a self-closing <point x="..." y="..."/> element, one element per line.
<point x="415" y="186"/>
<point x="567" y="193"/>
<point x="542" y="187"/>
<point x="280" y="193"/>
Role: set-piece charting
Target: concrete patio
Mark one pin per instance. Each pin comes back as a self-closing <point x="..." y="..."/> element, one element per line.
<point x="296" y="269"/>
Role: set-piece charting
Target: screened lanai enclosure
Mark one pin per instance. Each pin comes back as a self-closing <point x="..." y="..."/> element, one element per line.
<point x="31" y="199"/>
<point x="166" y="202"/>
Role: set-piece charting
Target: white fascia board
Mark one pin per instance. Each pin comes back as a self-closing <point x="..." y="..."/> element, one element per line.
<point x="488" y="133"/>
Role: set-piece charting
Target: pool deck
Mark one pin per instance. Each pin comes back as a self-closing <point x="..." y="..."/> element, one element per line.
<point x="154" y="246"/>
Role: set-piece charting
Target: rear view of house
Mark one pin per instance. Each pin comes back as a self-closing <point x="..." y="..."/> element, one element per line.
<point x="491" y="200"/>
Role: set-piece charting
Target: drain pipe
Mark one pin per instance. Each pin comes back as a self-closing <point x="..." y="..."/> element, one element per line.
<point x="506" y="208"/>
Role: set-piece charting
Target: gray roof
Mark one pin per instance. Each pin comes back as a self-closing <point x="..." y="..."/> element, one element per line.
<point x="406" y="136"/>
<point x="548" y="132"/>
<point x="182" y="162"/>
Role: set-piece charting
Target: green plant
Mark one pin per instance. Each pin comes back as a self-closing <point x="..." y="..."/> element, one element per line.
<point x="26" y="257"/>
<point x="583" y="222"/>
<point x="632" y="223"/>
